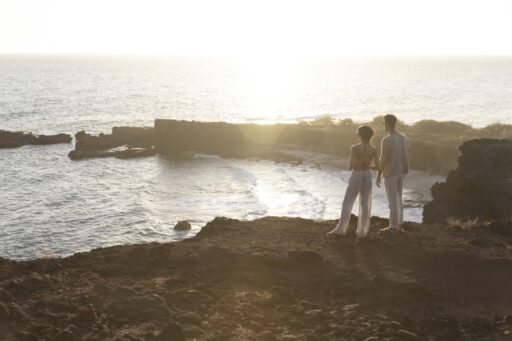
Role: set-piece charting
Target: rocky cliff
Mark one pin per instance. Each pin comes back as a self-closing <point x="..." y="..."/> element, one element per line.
<point x="480" y="187"/>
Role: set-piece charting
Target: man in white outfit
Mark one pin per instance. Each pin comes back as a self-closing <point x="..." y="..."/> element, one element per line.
<point x="393" y="164"/>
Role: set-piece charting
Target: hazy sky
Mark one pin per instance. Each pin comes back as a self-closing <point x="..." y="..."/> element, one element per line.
<point x="255" y="28"/>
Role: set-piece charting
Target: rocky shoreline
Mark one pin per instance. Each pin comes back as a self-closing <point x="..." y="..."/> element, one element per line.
<point x="270" y="279"/>
<point x="434" y="144"/>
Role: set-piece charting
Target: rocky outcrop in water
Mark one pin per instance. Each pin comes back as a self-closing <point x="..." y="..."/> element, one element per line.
<point x="222" y="139"/>
<point x="124" y="142"/>
<point x="434" y="144"/>
<point x="9" y="139"/>
<point x="480" y="188"/>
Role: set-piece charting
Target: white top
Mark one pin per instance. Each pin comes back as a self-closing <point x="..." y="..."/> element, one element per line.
<point x="395" y="154"/>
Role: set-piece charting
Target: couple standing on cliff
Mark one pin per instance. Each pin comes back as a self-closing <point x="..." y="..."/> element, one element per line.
<point x="393" y="164"/>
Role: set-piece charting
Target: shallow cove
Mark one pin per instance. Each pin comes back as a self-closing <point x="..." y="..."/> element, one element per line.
<point x="53" y="206"/>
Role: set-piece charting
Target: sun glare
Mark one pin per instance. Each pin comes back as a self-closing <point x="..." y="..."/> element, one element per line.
<point x="267" y="83"/>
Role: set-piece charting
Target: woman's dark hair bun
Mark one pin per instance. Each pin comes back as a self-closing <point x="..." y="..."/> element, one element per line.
<point x="365" y="132"/>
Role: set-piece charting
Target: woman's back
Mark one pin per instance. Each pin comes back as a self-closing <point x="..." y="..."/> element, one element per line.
<point x="361" y="156"/>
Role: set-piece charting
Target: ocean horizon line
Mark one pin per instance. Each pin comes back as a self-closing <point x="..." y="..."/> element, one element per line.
<point x="245" y="57"/>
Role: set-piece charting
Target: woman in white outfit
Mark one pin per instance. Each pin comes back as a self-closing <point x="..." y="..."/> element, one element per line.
<point x="360" y="184"/>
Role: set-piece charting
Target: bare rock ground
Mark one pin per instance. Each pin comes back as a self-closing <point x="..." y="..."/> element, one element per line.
<point x="270" y="279"/>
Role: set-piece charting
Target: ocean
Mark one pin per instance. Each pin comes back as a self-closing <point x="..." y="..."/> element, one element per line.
<point x="52" y="206"/>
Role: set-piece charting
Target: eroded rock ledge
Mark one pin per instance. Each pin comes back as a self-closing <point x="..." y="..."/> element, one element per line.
<point x="10" y="139"/>
<point x="123" y="142"/>
<point x="434" y="144"/>
<point x="269" y="279"/>
<point x="480" y="187"/>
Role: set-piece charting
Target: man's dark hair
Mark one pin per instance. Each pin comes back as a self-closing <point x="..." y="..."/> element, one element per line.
<point x="390" y="120"/>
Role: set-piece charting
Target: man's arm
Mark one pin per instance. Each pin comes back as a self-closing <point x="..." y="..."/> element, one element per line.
<point x="408" y="154"/>
<point x="375" y="159"/>
<point x="408" y="147"/>
<point x="380" y="163"/>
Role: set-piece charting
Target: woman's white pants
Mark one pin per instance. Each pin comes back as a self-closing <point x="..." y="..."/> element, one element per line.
<point x="360" y="184"/>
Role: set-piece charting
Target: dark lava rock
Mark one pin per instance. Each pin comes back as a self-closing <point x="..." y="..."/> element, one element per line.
<point x="174" y="282"/>
<point x="481" y="186"/>
<point x="4" y="312"/>
<point x="501" y="227"/>
<point x="172" y="331"/>
<point x="481" y="242"/>
<point x="123" y="143"/>
<point x="29" y="284"/>
<point x="282" y="295"/>
<point x="182" y="226"/>
<point x="68" y="334"/>
<point x="86" y="316"/>
<point x="16" y="312"/>
<point x="304" y="257"/>
<point x="481" y="326"/>
<point x="142" y="137"/>
<point x="26" y="336"/>
<point x="189" y="298"/>
<point x="192" y="332"/>
<point x="9" y="139"/>
<point x="266" y="336"/>
<point x="189" y="318"/>
<point x="140" y="308"/>
<point x="442" y="328"/>
<point x="5" y="296"/>
<point x="52" y="139"/>
<point x="407" y="335"/>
